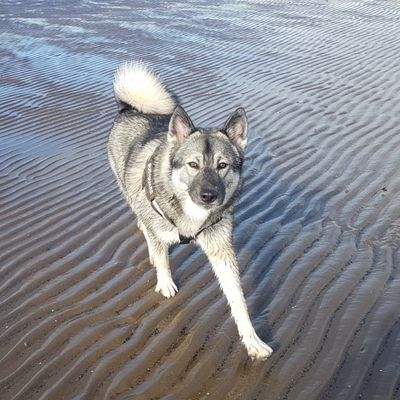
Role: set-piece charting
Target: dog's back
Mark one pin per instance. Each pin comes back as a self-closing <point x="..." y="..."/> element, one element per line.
<point x="145" y="107"/>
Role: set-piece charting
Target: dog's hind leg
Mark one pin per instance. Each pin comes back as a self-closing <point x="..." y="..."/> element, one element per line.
<point x="158" y="252"/>
<point x="220" y="252"/>
<point x="142" y="227"/>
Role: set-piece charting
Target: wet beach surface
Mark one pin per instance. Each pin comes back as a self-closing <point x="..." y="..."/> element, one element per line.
<point x="317" y="225"/>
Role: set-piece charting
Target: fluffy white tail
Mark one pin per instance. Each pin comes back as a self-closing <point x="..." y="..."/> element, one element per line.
<point x="136" y="85"/>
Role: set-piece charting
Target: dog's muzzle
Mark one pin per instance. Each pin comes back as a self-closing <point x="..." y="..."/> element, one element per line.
<point x="208" y="189"/>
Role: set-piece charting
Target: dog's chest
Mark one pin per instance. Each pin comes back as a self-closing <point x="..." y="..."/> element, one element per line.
<point x="194" y="213"/>
<point x="192" y="220"/>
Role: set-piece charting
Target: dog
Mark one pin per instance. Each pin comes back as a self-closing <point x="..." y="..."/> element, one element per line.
<point x="181" y="182"/>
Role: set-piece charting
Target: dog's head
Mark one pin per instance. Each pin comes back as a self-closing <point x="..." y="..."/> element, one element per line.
<point x="206" y="163"/>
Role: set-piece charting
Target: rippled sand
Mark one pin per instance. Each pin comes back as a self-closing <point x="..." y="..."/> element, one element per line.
<point x="317" y="225"/>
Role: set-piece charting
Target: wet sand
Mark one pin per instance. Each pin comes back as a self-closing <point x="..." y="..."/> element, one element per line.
<point x="317" y="225"/>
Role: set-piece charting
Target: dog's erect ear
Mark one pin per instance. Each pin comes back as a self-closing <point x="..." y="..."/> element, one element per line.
<point x="236" y="128"/>
<point x="180" y="126"/>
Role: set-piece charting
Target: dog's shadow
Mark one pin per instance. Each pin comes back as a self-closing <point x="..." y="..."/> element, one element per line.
<point x="263" y="328"/>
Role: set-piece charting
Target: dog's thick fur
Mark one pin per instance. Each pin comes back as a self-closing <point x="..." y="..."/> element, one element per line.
<point x="181" y="182"/>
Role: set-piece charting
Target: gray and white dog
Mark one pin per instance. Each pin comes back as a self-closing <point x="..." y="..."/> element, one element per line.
<point x="181" y="182"/>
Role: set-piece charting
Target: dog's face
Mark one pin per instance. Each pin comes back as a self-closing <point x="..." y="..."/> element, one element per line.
<point x="206" y="163"/>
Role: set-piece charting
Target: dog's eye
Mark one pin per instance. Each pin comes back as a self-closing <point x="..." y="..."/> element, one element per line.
<point x="193" y="165"/>
<point x="222" y="165"/>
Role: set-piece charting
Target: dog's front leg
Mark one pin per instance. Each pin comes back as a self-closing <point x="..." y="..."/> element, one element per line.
<point x="223" y="261"/>
<point x="158" y="253"/>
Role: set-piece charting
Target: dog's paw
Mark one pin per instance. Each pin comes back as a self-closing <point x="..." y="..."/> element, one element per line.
<point x="167" y="288"/>
<point x="257" y="349"/>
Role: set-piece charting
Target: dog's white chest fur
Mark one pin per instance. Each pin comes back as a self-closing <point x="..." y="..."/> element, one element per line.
<point x="195" y="215"/>
<point x="195" y="212"/>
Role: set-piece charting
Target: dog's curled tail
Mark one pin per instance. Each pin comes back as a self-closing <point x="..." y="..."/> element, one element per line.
<point x="140" y="88"/>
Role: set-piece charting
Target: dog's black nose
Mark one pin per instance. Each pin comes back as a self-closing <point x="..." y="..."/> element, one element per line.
<point x="208" y="196"/>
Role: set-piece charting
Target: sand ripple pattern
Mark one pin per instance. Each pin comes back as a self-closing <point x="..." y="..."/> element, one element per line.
<point x="317" y="225"/>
